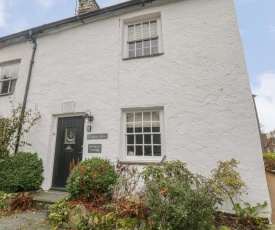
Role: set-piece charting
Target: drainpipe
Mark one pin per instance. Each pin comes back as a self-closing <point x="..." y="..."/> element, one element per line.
<point x="33" y="41"/>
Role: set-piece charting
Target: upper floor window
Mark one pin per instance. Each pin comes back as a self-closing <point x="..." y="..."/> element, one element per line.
<point x="143" y="39"/>
<point x="8" y="77"/>
<point x="143" y="36"/>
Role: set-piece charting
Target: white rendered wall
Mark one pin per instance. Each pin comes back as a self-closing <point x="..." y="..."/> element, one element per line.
<point x="201" y="81"/>
<point x="18" y="51"/>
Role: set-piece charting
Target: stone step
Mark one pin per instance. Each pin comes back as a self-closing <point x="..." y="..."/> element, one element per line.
<point x="50" y="196"/>
<point x="43" y="199"/>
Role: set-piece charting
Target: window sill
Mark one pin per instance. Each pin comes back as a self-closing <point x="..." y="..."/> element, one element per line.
<point x="5" y="94"/>
<point x="146" y="56"/>
<point x="137" y="161"/>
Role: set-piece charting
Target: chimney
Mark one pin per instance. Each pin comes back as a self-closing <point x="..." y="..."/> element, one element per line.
<point x="86" y="6"/>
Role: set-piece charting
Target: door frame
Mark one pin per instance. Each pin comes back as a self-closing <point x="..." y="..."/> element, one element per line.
<point x="52" y="142"/>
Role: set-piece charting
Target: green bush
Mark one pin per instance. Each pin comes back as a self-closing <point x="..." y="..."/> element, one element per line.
<point x="91" y="177"/>
<point x="177" y="198"/>
<point x="21" y="172"/>
<point x="270" y="156"/>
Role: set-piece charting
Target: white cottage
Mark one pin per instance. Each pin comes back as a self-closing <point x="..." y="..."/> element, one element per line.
<point x="137" y="82"/>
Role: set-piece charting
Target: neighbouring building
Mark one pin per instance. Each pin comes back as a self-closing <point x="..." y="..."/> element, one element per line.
<point x="137" y="82"/>
<point x="268" y="143"/>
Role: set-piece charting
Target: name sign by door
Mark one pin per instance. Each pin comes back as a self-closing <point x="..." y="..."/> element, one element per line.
<point x="97" y="136"/>
<point x="94" y="148"/>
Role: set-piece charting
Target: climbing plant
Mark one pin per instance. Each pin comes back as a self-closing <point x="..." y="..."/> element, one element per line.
<point x="9" y="127"/>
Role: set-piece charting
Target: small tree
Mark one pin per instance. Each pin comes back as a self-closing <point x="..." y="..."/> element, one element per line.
<point x="228" y="182"/>
<point x="9" y="128"/>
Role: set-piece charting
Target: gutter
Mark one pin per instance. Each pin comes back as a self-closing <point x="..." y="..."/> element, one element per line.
<point x="33" y="40"/>
<point x="41" y="29"/>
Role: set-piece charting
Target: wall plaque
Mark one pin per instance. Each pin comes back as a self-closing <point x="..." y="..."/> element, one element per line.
<point x="97" y="136"/>
<point x="68" y="107"/>
<point x="94" y="148"/>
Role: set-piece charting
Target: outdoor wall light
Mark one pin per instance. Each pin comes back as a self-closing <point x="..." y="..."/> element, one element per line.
<point x="88" y="116"/>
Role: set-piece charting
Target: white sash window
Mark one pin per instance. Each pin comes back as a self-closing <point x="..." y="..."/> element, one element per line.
<point x="8" y="77"/>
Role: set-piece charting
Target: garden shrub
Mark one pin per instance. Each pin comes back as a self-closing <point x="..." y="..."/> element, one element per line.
<point x="21" y="172"/>
<point x="58" y="213"/>
<point x="270" y="156"/>
<point x="228" y="182"/>
<point x="177" y="198"/>
<point x="91" y="177"/>
<point x="9" y="128"/>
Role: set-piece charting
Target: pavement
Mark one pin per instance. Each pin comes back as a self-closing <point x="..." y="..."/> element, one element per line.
<point x="26" y="221"/>
<point x="33" y="220"/>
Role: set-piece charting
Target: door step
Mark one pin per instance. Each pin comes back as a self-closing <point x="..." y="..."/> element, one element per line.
<point x="43" y="199"/>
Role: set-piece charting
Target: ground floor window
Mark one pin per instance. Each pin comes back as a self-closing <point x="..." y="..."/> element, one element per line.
<point x="143" y="132"/>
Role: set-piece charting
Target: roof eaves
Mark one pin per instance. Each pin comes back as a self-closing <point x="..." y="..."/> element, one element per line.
<point x="41" y="29"/>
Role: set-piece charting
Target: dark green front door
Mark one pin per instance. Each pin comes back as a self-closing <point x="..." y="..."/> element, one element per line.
<point x="69" y="141"/>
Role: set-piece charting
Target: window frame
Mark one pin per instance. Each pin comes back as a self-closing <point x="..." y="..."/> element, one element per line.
<point x="10" y="79"/>
<point x="124" y="156"/>
<point x="140" y="20"/>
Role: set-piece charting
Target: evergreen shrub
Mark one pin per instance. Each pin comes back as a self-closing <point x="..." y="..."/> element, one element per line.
<point x="91" y="177"/>
<point x="177" y="198"/>
<point x="21" y="172"/>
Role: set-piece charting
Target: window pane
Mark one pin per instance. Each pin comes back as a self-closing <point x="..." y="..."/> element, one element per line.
<point x="154" y="42"/>
<point x="145" y="28"/>
<point x="130" y="117"/>
<point x="131" y="32"/>
<point x="12" y="87"/>
<point x="14" y="70"/>
<point x="5" y="73"/>
<point x="155" y="116"/>
<point x="146" y="43"/>
<point x="154" y="50"/>
<point x="139" y="151"/>
<point x="5" y="87"/>
<point x="147" y="139"/>
<point x="148" y="150"/>
<point x="130" y="151"/>
<point x="138" y="127"/>
<point x="138" y="117"/>
<point x="146" y="51"/>
<point x="153" y="28"/>
<point x="132" y="53"/>
<point x="130" y="139"/>
<point x="155" y="127"/>
<point x="157" y="150"/>
<point x="130" y="128"/>
<point x="139" y="45"/>
<point x="146" y="116"/>
<point x="70" y="134"/>
<point x="147" y="127"/>
<point x="132" y="46"/>
<point x="156" y="139"/>
<point x="138" y="33"/>
<point x="139" y="139"/>
<point x="139" y="52"/>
